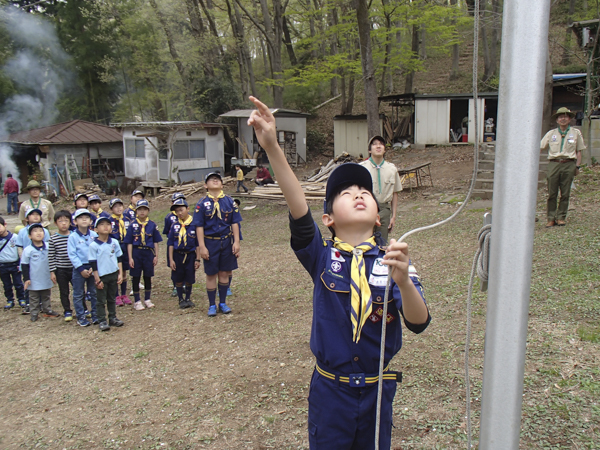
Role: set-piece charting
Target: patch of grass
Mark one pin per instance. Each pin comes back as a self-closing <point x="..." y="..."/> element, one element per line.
<point x="141" y="354"/>
<point x="589" y="333"/>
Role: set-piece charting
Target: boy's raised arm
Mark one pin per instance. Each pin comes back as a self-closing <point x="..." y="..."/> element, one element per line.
<point x="264" y="126"/>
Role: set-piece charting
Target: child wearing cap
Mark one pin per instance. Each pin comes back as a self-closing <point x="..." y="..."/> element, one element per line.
<point x="136" y="196"/>
<point x="81" y="202"/>
<point x="36" y="202"/>
<point x="120" y="224"/>
<point x="78" y="248"/>
<point x="239" y="175"/>
<point x="36" y="273"/>
<point x="9" y="267"/>
<point x="170" y="219"/>
<point x="182" y="244"/>
<point x="349" y="273"/>
<point x="142" y="240"/>
<point x="95" y="203"/>
<point x="216" y="219"/>
<point x="61" y="268"/>
<point x="105" y="259"/>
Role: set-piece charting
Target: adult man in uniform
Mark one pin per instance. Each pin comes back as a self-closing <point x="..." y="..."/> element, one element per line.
<point x="36" y="202"/>
<point x="564" y="146"/>
<point x="386" y="184"/>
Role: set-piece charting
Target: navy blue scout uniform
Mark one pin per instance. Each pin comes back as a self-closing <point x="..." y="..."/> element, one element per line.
<point x="73" y="226"/>
<point x="130" y="210"/>
<point x="119" y="225"/>
<point x="343" y="391"/>
<point x="142" y="235"/>
<point x="101" y="213"/>
<point x="182" y="237"/>
<point x="170" y="219"/>
<point x="217" y="217"/>
<point x="9" y="271"/>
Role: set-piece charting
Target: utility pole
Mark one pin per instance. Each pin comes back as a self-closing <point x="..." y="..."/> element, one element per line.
<point x="521" y="92"/>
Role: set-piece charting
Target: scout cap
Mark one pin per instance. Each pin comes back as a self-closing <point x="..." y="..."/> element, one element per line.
<point x="563" y="110"/>
<point x="179" y="202"/>
<point x="81" y="212"/>
<point x="177" y="195"/>
<point x="215" y="174"/>
<point x="101" y="219"/>
<point x="34" y="225"/>
<point x="33" y="184"/>
<point x="379" y="138"/>
<point x="343" y="175"/>
<point x="137" y="191"/>
<point x="142" y="204"/>
<point x="94" y="198"/>
<point x="33" y="210"/>
<point x="114" y="201"/>
<point x="79" y="195"/>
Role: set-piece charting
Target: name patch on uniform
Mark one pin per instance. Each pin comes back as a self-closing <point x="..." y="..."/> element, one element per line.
<point x="554" y="138"/>
<point x="336" y="255"/>
<point x="336" y="266"/>
<point x="379" y="268"/>
<point x="377" y="281"/>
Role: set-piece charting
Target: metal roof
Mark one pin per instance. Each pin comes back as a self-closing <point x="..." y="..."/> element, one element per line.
<point x="180" y="124"/>
<point x="73" y="132"/>
<point x="240" y="113"/>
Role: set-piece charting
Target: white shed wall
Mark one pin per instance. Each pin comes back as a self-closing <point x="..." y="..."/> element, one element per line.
<point x="432" y="121"/>
<point x="351" y="136"/>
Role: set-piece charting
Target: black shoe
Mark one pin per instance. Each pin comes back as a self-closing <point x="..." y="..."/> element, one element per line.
<point x="104" y="326"/>
<point x="191" y="303"/>
<point x="114" y="322"/>
<point x="50" y="313"/>
<point x="25" y="310"/>
<point x="183" y="304"/>
<point x="34" y="317"/>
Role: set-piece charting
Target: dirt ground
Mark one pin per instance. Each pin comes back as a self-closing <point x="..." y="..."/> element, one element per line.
<point x="178" y="379"/>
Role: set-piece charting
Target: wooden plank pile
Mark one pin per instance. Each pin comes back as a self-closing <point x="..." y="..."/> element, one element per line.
<point x="90" y="189"/>
<point x="188" y="189"/>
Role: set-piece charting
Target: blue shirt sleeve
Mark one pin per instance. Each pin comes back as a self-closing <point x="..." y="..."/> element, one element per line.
<point x="72" y="251"/>
<point x="26" y="255"/>
<point x="198" y="220"/>
<point x="171" y="237"/>
<point x="118" y="252"/>
<point x="156" y="237"/>
<point x="128" y="239"/>
<point x="93" y="252"/>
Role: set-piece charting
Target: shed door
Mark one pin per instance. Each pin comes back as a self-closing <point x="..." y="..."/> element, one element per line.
<point x="432" y="119"/>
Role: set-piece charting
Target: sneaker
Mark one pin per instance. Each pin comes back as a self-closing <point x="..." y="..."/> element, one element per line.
<point x="212" y="310"/>
<point x="34" y="317"/>
<point x="68" y="316"/>
<point x="139" y="306"/>
<point x="174" y="292"/>
<point x="119" y="301"/>
<point x="104" y="326"/>
<point x="191" y="303"/>
<point x="50" y="313"/>
<point x="95" y="321"/>
<point x="22" y="303"/>
<point x="88" y="314"/>
<point x="183" y="304"/>
<point x="25" y="310"/>
<point x="126" y="300"/>
<point x="229" y="293"/>
<point x="149" y="304"/>
<point x="224" y="308"/>
<point x="9" y="305"/>
<point x="114" y="322"/>
<point x="83" y="322"/>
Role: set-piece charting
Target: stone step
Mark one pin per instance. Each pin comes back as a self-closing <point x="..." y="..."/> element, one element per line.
<point x="484" y="184"/>
<point x="487" y="156"/>
<point x="485" y="174"/>
<point x="486" y="165"/>
<point x="484" y="194"/>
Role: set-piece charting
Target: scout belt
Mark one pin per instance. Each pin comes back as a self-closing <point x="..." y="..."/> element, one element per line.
<point x="360" y="379"/>
<point x="217" y="237"/>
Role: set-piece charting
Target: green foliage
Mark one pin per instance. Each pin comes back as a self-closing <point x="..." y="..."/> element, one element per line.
<point x="303" y="98"/>
<point x="571" y="68"/>
<point x="589" y="333"/>
<point x="214" y="96"/>
<point x="315" y="140"/>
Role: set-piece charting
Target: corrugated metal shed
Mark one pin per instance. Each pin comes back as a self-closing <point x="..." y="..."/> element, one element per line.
<point x="280" y="112"/>
<point x="74" y="132"/>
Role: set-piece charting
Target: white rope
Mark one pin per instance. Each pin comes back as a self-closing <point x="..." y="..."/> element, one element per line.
<point x="429" y="227"/>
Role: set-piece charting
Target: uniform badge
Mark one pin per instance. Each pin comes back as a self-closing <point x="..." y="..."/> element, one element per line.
<point x="207" y="204"/>
<point x="554" y="138"/>
<point x="374" y="318"/>
<point x="379" y="268"/>
<point x="336" y="266"/>
<point x="336" y="255"/>
<point x="377" y="281"/>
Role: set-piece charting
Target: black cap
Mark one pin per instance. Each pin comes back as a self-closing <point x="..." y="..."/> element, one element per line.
<point x="34" y="225"/>
<point x="213" y="174"/>
<point x="347" y="173"/>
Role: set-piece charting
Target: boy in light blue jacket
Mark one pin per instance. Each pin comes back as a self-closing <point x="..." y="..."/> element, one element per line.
<point x="9" y="267"/>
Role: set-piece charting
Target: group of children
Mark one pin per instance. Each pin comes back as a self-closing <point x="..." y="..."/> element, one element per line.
<point x="93" y="250"/>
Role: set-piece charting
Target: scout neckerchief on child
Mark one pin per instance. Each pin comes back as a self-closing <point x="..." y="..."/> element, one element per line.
<point x="378" y="167"/>
<point x="563" y="136"/>
<point x="98" y="212"/>
<point x="216" y="208"/>
<point x="7" y="237"/>
<point x="143" y="224"/>
<point x="361" y="300"/>
<point x="182" y="231"/>
<point x="119" y="218"/>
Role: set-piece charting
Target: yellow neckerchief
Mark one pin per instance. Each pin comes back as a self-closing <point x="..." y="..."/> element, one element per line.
<point x="361" y="301"/>
<point x="182" y="231"/>
<point x="122" y="230"/>
<point x="143" y="224"/>
<point x="98" y="212"/>
<point x="132" y="207"/>
<point x="216" y="208"/>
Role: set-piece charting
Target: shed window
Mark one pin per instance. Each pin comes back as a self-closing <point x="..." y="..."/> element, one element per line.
<point x="189" y="149"/>
<point x="134" y="148"/>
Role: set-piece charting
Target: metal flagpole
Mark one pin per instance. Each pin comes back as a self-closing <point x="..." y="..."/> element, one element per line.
<point x="522" y="70"/>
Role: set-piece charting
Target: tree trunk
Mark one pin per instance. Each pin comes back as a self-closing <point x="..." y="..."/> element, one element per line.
<point x="408" y="87"/>
<point x="388" y="49"/>
<point x="423" y="53"/>
<point x="566" y="57"/>
<point x="455" y="51"/>
<point x="350" y="101"/>
<point x="366" y="58"/>
<point x="333" y="46"/>
<point x="287" y="39"/>
<point x="547" y="105"/>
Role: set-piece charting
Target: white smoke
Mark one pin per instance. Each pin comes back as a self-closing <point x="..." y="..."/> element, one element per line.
<point x="38" y="69"/>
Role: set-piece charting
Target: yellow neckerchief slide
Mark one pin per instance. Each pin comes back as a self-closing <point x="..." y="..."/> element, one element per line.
<point x="182" y="231"/>
<point x="122" y="230"/>
<point x="143" y="234"/>
<point x="216" y="208"/>
<point x="361" y="301"/>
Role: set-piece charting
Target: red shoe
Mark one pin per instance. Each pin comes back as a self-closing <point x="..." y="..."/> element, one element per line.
<point x="126" y="300"/>
<point x="119" y="300"/>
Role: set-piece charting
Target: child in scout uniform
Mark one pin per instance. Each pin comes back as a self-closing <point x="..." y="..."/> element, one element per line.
<point x="142" y="240"/>
<point x="105" y="258"/>
<point x="32" y="216"/>
<point x="136" y="196"/>
<point x="9" y="268"/>
<point x="78" y="248"/>
<point x="216" y="219"/>
<point x="36" y="202"/>
<point x="182" y="244"/>
<point x="170" y="219"/>
<point x="95" y="203"/>
<point x="386" y="185"/>
<point x="61" y="268"/>
<point x="36" y="273"/>
<point x="81" y="201"/>
<point x="349" y="273"/>
<point x="239" y="175"/>
<point x="120" y="224"/>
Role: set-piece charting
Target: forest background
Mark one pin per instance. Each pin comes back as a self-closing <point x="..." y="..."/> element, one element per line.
<point x="157" y="60"/>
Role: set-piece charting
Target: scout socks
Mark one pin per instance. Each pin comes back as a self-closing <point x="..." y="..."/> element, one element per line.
<point x="188" y="293"/>
<point x="124" y="287"/>
<point x="136" y="296"/>
<point x="179" y="293"/>
<point x="147" y="293"/>
<point x="223" y="292"/>
<point x="212" y="296"/>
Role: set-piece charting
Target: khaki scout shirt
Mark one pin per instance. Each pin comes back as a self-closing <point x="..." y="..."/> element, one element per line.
<point x="563" y="148"/>
<point x="390" y="180"/>
<point x="44" y="205"/>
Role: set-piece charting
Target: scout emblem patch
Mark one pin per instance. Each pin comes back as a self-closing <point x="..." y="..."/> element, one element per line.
<point x="336" y="266"/>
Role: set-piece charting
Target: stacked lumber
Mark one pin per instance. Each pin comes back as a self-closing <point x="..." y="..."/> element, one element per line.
<point x="312" y="191"/>
<point x="90" y="189"/>
<point x="188" y="188"/>
<point x="323" y="174"/>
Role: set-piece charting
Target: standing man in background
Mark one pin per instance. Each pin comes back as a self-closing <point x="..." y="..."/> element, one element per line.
<point x="564" y="145"/>
<point x="11" y="191"/>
